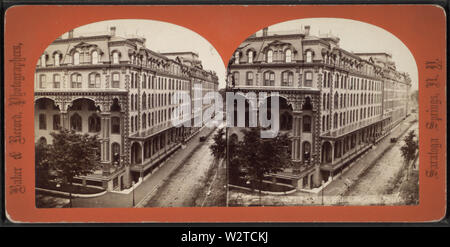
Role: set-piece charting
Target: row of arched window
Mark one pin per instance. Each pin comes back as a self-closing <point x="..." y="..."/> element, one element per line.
<point x="151" y="119"/>
<point x="76" y="80"/>
<point x="76" y="123"/>
<point x="343" y="118"/>
<point x="94" y="81"/>
<point x="366" y="68"/>
<point x="166" y="65"/>
<point x="352" y="83"/>
<point x="94" y="58"/>
<point x="272" y="55"/>
<point x="287" y="78"/>
<point x="156" y="82"/>
<point x="285" y="56"/>
<point x="349" y="100"/>
<point x="77" y="58"/>
<point x="153" y="100"/>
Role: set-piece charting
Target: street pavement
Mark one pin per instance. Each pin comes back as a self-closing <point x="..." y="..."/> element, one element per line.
<point x="383" y="173"/>
<point x="187" y="183"/>
<point x="339" y="186"/>
<point x="149" y="185"/>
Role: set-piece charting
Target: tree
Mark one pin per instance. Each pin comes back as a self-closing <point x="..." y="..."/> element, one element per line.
<point x="415" y="96"/>
<point x="218" y="148"/>
<point x="41" y="156"/>
<point x="234" y="168"/>
<point x="409" y="149"/>
<point x="72" y="155"/>
<point x="262" y="156"/>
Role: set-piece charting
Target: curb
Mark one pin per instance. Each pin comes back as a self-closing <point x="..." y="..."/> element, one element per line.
<point x="73" y="195"/>
<point x="266" y="192"/>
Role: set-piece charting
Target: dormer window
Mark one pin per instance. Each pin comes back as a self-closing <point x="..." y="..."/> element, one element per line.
<point x="115" y="58"/>
<point x="269" y="56"/>
<point x="288" y="56"/>
<point x="309" y="56"/>
<point x="43" y="61"/>
<point x="250" y="57"/>
<point x="94" y="57"/>
<point x="76" y="58"/>
<point x="57" y="62"/>
<point x="236" y="57"/>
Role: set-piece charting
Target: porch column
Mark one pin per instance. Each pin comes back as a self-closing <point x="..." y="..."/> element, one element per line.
<point x="105" y="146"/>
<point x="142" y="153"/>
<point x="296" y="140"/>
<point x="332" y="151"/>
<point x="64" y="120"/>
<point x="151" y="147"/>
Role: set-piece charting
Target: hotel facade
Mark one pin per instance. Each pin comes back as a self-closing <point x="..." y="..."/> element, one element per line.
<point x="334" y="104"/>
<point x="118" y="89"/>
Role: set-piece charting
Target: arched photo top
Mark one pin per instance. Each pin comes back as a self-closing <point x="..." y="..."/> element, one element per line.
<point x="294" y="41"/>
<point x="127" y="41"/>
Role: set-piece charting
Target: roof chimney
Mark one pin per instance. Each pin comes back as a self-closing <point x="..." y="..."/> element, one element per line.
<point x="307" y="28"/>
<point x="71" y="34"/>
<point x="112" y="31"/>
<point x="265" y="31"/>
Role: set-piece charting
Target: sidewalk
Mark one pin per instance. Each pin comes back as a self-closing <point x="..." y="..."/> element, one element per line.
<point x="117" y="200"/>
<point x="340" y="185"/>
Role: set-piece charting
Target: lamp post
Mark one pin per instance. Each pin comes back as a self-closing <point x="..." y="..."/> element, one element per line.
<point x="132" y="184"/>
<point x="227" y="163"/>
<point x="322" y="190"/>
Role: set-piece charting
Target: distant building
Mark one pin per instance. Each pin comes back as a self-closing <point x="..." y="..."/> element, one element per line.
<point x="122" y="91"/>
<point x="333" y="103"/>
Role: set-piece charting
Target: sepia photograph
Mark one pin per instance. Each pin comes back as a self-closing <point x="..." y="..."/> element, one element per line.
<point x="286" y="114"/>
<point x="343" y="97"/>
<point x="104" y="97"/>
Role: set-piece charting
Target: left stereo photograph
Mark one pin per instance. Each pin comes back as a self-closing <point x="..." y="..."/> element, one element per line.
<point x="120" y="118"/>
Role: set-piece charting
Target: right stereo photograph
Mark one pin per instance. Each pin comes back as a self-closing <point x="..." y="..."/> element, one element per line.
<point x="324" y="111"/>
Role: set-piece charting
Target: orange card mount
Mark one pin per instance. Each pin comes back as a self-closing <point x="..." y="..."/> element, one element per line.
<point x="112" y="79"/>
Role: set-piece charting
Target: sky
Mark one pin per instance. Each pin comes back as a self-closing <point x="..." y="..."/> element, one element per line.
<point x="357" y="37"/>
<point x="163" y="37"/>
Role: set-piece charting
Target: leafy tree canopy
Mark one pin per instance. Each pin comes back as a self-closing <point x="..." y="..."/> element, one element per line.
<point x="262" y="156"/>
<point x="72" y="154"/>
<point x="410" y="147"/>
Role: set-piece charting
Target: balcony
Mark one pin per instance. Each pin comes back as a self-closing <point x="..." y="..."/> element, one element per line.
<point x="351" y="154"/>
<point x="160" y="155"/>
<point x="79" y="90"/>
<point x="278" y="88"/>
<point x="152" y="131"/>
<point x="352" y="127"/>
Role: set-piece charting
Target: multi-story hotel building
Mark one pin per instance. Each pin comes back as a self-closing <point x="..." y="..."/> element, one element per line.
<point x="334" y="104"/>
<point x="122" y="91"/>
